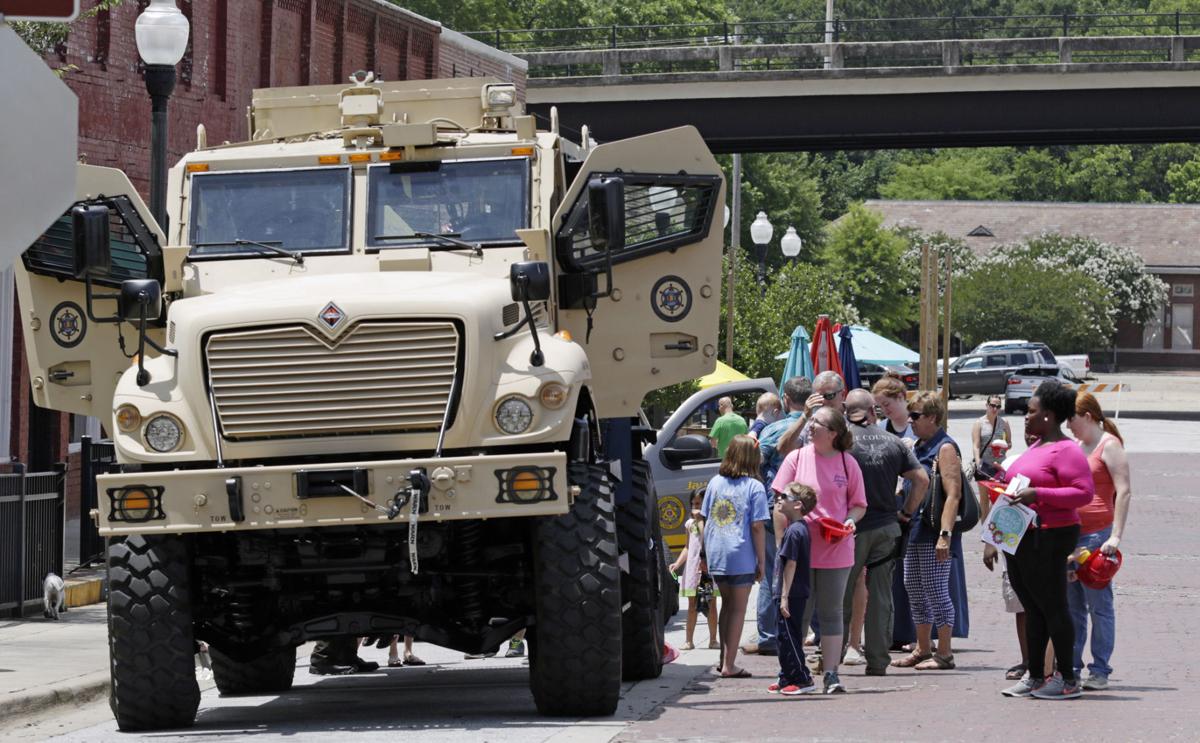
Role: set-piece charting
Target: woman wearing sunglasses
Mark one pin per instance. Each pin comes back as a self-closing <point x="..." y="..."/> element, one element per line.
<point x="927" y="563"/>
<point x="989" y="427"/>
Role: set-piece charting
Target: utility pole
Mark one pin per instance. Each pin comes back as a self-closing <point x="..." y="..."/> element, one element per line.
<point x="828" y="33"/>
<point x="923" y="370"/>
<point x="946" y="334"/>
<point x="735" y="243"/>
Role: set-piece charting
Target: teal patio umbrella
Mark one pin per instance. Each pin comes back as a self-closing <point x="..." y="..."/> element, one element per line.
<point x="799" y="364"/>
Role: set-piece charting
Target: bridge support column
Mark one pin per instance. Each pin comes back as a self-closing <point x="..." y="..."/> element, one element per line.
<point x="951" y="53"/>
<point x="1178" y="52"/>
<point x="1064" y="50"/>
<point x="612" y="64"/>
<point x="725" y="59"/>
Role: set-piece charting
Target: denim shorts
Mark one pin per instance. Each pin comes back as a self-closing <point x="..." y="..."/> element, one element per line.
<point x="741" y="579"/>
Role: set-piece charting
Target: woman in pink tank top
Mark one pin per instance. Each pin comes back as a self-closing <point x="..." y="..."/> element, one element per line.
<point x="1102" y="524"/>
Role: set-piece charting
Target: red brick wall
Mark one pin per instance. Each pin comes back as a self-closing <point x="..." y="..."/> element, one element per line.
<point x="460" y="57"/>
<point x="236" y="46"/>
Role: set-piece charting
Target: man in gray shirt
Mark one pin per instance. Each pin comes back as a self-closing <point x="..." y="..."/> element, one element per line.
<point x="883" y="459"/>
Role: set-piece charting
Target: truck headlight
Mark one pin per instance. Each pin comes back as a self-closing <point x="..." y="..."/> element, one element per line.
<point x="513" y="415"/>
<point x="163" y="433"/>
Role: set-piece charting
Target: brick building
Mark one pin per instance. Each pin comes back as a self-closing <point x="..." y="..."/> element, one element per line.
<point x="234" y="47"/>
<point x="1164" y="235"/>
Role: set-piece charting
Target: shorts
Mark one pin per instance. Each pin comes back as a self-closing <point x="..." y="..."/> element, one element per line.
<point x="741" y="579"/>
<point x="1012" y="604"/>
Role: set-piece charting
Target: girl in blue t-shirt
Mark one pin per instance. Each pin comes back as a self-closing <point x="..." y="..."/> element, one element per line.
<point x="735" y="514"/>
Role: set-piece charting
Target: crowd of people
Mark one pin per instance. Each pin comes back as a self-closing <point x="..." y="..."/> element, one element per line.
<point x="846" y="508"/>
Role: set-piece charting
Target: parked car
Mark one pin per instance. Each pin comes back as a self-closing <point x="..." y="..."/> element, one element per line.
<point x="985" y="373"/>
<point x="683" y="459"/>
<point x="869" y="373"/>
<point x="1079" y="364"/>
<point x="1022" y="383"/>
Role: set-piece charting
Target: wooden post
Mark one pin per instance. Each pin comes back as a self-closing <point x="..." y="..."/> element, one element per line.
<point x="923" y="365"/>
<point x="946" y="336"/>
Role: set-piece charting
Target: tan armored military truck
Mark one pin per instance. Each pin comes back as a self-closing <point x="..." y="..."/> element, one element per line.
<point x="376" y="378"/>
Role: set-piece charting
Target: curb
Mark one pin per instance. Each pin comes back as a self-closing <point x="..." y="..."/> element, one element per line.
<point x="80" y="691"/>
<point x="85" y="592"/>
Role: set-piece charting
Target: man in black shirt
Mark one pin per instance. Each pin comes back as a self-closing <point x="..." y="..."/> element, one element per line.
<point x="883" y="459"/>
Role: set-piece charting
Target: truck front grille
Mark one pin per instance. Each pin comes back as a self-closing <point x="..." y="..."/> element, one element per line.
<point x="286" y="382"/>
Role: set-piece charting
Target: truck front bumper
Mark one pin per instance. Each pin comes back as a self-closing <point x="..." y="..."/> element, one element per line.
<point x="295" y="496"/>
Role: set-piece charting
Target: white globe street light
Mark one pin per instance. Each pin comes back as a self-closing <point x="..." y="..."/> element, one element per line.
<point x="791" y="243"/>
<point x="760" y="232"/>
<point x="161" y="32"/>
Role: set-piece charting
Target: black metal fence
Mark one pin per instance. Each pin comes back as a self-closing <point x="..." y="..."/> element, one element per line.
<point x="95" y="458"/>
<point x="31" y="535"/>
<point x="811" y="31"/>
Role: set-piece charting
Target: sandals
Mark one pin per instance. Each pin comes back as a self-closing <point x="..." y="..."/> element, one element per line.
<point x="742" y="673"/>
<point x="412" y="660"/>
<point x="394" y="663"/>
<point x="911" y="660"/>
<point x="936" y="663"/>
<point x="1017" y="672"/>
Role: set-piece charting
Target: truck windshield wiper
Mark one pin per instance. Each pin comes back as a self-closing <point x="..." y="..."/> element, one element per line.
<point x="449" y="240"/>
<point x="271" y="246"/>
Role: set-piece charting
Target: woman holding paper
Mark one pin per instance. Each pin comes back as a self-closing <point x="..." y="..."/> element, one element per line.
<point x="1059" y="483"/>
<point x="927" y="562"/>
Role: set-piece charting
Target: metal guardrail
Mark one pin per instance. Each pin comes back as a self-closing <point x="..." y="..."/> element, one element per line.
<point x="31" y="535"/>
<point x="1077" y="53"/>
<point x="932" y="28"/>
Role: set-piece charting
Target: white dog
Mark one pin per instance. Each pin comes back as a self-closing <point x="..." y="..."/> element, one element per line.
<point x="54" y="596"/>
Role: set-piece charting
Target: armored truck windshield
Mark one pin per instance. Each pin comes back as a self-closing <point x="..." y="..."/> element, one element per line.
<point x="304" y="210"/>
<point x="479" y="201"/>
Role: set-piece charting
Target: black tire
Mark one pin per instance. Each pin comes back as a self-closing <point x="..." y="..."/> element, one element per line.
<point x="266" y="674"/>
<point x="1009" y="408"/>
<point x="642" y="586"/>
<point x="575" y="651"/>
<point x="151" y="650"/>
<point x="670" y="585"/>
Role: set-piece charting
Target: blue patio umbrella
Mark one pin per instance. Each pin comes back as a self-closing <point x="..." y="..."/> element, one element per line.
<point x="798" y="362"/>
<point x="846" y="357"/>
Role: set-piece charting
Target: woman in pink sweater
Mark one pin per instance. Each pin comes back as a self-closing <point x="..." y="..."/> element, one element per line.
<point x="1060" y="482"/>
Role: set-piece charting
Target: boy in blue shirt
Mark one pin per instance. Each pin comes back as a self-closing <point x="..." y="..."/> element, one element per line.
<point x="791" y="591"/>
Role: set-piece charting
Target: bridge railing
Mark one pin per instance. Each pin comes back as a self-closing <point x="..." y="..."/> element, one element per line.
<point x="722" y="33"/>
<point x="1073" y="52"/>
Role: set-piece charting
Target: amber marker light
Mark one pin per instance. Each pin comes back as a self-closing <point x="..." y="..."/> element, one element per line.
<point x="197" y="167"/>
<point x="128" y="418"/>
<point x="329" y="159"/>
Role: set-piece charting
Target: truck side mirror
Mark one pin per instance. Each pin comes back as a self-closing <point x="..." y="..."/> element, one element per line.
<point x="137" y="294"/>
<point x="690" y="448"/>
<point x="606" y="213"/>
<point x="529" y="281"/>
<point x="89" y="227"/>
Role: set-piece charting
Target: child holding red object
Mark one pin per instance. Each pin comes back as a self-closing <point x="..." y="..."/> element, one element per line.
<point x="791" y="590"/>
<point x="695" y="584"/>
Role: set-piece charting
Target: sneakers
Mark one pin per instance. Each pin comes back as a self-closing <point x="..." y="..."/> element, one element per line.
<point x="479" y="656"/>
<point x="330" y="669"/>
<point x="1096" y="682"/>
<point x="792" y="690"/>
<point x="1022" y="688"/>
<point x="1056" y="688"/>
<point x="833" y="685"/>
<point x="516" y="649"/>
<point x="853" y="657"/>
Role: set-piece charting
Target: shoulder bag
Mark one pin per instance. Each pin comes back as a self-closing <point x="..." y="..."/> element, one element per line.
<point x="935" y="501"/>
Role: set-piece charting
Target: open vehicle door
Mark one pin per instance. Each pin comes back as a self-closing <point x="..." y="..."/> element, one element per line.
<point x="638" y="246"/>
<point x="75" y="352"/>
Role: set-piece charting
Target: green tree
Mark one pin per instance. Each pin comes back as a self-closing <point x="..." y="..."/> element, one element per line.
<point x="869" y="263"/>
<point x="1038" y="175"/>
<point x="764" y="319"/>
<point x="1027" y="298"/>
<point x="1096" y="173"/>
<point x="953" y="174"/>
<point x="1184" y="180"/>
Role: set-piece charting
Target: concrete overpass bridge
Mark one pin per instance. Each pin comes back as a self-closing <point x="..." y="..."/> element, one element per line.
<point x="755" y="97"/>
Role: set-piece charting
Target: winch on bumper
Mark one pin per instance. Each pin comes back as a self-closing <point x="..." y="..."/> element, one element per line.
<point x="334" y="494"/>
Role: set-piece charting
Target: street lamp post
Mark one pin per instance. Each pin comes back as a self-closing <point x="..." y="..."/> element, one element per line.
<point x="760" y="232"/>
<point x="791" y="243"/>
<point x="161" y="32"/>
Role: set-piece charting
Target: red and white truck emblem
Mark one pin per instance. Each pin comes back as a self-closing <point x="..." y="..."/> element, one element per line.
<point x="332" y="316"/>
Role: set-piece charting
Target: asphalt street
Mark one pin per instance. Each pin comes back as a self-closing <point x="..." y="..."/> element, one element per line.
<point x="1151" y="698"/>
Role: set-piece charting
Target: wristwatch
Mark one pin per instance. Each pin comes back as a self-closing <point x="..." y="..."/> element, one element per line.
<point x="944" y="533"/>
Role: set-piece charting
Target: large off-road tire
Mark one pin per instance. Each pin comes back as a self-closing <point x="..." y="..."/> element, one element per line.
<point x="575" y="650"/>
<point x="670" y="602"/>
<point x="642" y="586"/>
<point x="266" y="674"/>
<point x="151" y="651"/>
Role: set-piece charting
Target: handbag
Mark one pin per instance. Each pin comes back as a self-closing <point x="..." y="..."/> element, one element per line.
<point x="935" y="501"/>
<point x="980" y="470"/>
